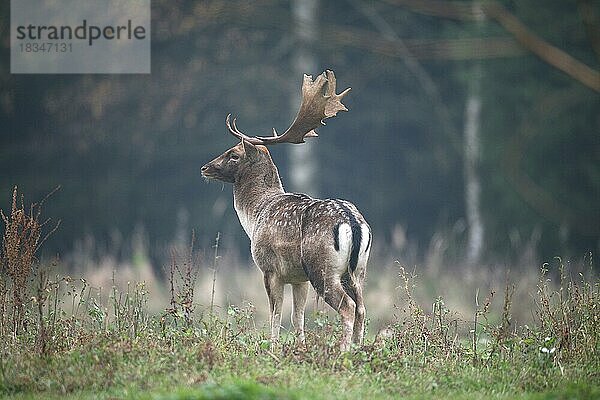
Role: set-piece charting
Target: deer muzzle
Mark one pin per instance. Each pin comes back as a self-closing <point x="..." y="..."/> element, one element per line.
<point x="208" y="170"/>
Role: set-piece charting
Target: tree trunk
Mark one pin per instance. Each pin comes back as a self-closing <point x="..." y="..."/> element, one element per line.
<point x="303" y="161"/>
<point x="472" y="180"/>
<point x="471" y="163"/>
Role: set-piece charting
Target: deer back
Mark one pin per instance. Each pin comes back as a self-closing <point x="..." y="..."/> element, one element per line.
<point x="300" y="235"/>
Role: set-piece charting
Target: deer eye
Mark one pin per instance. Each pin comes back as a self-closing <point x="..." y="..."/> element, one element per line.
<point x="234" y="157"/>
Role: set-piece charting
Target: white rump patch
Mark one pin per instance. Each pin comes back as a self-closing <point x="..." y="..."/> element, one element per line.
<point x="366" y="238"/>
<point x="363" y="255"/>
<point x="345" y="242"/>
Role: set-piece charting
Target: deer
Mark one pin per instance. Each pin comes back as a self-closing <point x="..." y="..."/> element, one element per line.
<point x="296" y="239"/>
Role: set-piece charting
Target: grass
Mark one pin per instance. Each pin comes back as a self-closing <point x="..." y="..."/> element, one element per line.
<point x="190" y="366"/>
<point x="62" y="338"/>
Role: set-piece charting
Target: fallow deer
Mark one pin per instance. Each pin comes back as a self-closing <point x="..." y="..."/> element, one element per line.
<point x="296" y="239"/>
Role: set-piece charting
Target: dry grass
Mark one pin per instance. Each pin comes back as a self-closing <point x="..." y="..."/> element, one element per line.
<point x="21" y="240"/>
<point x="469" y="332"/>
<point x="237" y="283"/>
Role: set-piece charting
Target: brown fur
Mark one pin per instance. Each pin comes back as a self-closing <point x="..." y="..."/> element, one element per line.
<point x="292" y="239"/>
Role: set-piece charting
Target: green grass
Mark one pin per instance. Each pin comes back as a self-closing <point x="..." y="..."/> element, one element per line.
<point x="172" y="357"/>
<point x="231" y="360"/>
<point x="61" y="339"/>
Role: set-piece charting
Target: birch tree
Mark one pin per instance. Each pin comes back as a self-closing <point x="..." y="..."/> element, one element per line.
<point x="303" y="161"/>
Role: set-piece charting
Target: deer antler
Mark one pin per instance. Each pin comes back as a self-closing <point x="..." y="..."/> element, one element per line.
<point x="317" y="105"/>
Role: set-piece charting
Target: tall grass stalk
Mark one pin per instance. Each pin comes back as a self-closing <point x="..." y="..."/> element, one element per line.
<point x="215" y="269"/>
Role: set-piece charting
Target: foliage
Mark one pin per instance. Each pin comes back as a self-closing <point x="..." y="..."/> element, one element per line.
<point x="127" y="149"/>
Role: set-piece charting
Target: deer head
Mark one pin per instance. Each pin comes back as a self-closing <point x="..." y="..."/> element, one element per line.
<point x="319" y="102"/>
<point x="236" y="162"/>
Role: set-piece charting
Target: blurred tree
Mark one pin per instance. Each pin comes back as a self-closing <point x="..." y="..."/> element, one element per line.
<point x="127" y="149"/>
<point x="303" y="161"/>
<point x="472" y="154"/>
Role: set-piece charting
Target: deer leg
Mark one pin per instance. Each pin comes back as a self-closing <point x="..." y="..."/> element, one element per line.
<point x="354" y="290"/>
<point x="337" y="298"/>
<point x="300" y="292"/>
<point x="274" y="288"/>
<point x="359" y="318"/>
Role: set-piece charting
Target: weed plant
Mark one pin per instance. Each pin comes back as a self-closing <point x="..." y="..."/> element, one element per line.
<point x="61" y="337"/>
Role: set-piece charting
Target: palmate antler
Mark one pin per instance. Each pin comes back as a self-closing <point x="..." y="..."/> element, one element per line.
<point x="317" y="105"/>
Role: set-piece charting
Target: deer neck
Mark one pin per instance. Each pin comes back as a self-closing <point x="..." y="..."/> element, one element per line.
<point x="252" y="191"/>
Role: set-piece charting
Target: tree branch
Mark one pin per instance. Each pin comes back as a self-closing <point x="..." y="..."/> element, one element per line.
<point x="436" y="8"/>
<point x="414" y="67"/>
<point x="550" y="54"/>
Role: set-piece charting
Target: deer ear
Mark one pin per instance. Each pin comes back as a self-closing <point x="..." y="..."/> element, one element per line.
<point x="250" y="150"/>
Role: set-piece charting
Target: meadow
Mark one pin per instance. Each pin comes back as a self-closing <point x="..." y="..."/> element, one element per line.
<point x="114" y="330"/>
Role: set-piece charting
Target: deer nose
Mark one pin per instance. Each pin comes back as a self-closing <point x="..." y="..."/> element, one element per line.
<point x="204" y="168"/>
